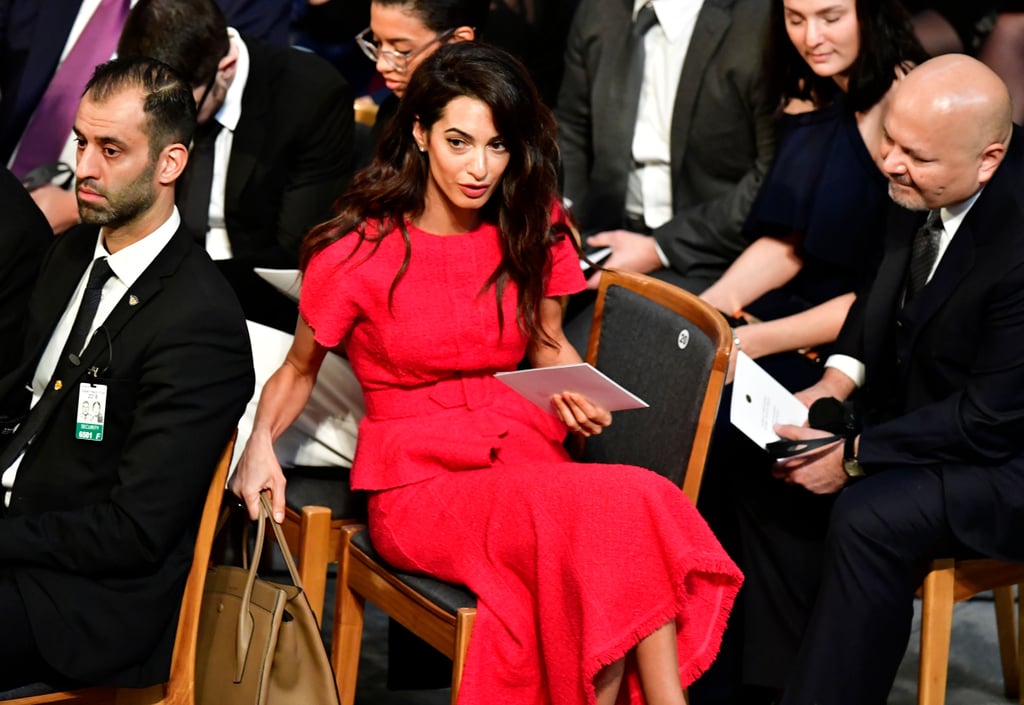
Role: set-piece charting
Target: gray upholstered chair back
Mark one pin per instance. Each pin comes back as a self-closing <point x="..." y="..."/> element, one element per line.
<point x="671" y="349"/>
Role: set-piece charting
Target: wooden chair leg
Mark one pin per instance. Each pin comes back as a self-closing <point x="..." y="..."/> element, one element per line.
<point x="314" y="555"/>
<point x="936" y="623"/>
<point x="1006" y="630"/>
<point x="464" y="620"/>
<point x="348" y="625"/>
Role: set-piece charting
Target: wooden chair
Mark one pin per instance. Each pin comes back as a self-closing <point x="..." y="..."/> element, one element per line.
<point x="665" y="345"/>
<point x="319" y="505"/>
<point x="180" y="688"/>
<point x="949" y="581"/>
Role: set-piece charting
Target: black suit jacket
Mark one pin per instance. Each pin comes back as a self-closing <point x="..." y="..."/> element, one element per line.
<point x="291" y="157"/>
<point x="24" y="236"/>
<point x="99" y="535"/>
<point x="723" y="134"/>
<point x="945" y="374"/>
<point x="291" y="153"/>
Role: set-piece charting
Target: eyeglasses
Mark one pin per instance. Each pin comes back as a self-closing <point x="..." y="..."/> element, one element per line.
<point x="398" y="60"/>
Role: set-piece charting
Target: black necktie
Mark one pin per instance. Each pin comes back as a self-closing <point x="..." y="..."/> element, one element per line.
<point x="194" y="192"/>
<point x="645" y="19"/>
<point x="87" y="309"/>
<point x="37" y="417"/>
<point x="923" y="253"/>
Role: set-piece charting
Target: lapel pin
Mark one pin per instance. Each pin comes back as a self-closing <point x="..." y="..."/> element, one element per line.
<point x="58" y="385"/>
<point x="133" y="300"/>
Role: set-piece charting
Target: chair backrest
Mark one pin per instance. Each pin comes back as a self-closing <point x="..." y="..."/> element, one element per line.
<point x="181" y="684"/>
<point x="672" y="350"/>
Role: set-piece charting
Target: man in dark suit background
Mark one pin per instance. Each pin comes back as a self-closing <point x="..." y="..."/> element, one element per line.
<point x="24" y="235"/>
<point x="96" y="536"/>
<point x="701" y="100"/>
<point x="935" y="348"/>
<point x="37" y="36"/>
<point x="280" y="121"/>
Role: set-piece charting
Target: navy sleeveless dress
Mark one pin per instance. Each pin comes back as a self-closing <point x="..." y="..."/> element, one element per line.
<point x="824" y="186"/>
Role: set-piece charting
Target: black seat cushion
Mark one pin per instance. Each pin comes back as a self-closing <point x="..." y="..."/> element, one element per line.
<point x="325" y="487"/>
<point x="32" y="689"/>
<point x="448" y="596"/>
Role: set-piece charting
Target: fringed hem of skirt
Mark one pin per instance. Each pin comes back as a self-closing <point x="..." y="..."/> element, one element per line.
<point x="723" y="583"/>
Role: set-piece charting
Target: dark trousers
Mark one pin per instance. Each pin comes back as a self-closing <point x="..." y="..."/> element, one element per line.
<point x="775" y="533"/>
<point x="883" y="532"/>
<point x="20" y="662"/>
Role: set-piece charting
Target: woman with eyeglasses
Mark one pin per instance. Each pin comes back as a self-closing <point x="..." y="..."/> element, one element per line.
<point x="402" y="33"/>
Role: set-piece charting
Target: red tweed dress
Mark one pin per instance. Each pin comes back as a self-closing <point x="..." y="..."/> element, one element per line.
<point x="572" y="563"/>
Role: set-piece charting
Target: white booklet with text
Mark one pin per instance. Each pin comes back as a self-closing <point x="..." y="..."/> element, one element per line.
<point x="759" y="402"/>
<point x="539" y="384"/>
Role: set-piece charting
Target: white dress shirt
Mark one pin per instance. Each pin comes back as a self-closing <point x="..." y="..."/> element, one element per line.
<point x="217" y="244"/>
<point x="952" y="217"/>
<point x="127" y="265"/>
<point x="665" y="45"/>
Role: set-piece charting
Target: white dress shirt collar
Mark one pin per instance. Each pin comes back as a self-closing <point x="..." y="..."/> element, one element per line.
<point x="674" y="16"/>
<point x="129" y="263"/>
<point x="953" y="215"/>
<point x="231" y="111"/>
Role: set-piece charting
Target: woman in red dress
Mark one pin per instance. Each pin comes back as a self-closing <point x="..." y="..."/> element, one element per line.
<point x="595" y="583"/>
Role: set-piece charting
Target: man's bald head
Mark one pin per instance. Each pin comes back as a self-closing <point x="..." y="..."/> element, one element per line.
<point x="946" y="131"/>
<point x="957" y="88"/>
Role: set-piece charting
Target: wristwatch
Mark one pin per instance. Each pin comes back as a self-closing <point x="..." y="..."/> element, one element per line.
<point x="851" y="465"/>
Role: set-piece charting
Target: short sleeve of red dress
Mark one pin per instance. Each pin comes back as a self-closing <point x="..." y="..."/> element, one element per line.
<point x="327" y="302"/>
<point x="566" y="275"/>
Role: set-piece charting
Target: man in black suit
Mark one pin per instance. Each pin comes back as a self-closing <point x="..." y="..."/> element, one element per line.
<point x="24" y="235"/>
<point x="98" y="519"/>
<point x="718" y="131"/>
<point x="935" y="349"/>
<point x="280" y="121"/>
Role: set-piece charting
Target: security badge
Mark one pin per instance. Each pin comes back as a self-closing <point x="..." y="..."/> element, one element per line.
<point x="92" y="409"/>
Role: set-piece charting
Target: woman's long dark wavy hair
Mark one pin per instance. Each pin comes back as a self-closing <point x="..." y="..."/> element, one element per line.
<point x="887" y="42"/>
<point x="393" y="186"/>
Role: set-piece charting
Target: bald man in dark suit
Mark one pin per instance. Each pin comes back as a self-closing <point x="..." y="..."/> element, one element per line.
<point x="934" y="347"/>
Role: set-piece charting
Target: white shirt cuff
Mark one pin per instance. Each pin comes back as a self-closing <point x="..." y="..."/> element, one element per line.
<point x="849" y="366"/>
<point x="661" y="255"/>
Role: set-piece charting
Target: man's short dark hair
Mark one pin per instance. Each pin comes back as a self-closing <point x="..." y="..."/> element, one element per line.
<point x="168" y="103"/>
<point x="189" y="35"/>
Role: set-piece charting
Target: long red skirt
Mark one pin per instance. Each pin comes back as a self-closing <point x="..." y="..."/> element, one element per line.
<point x="573" y="564"/>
